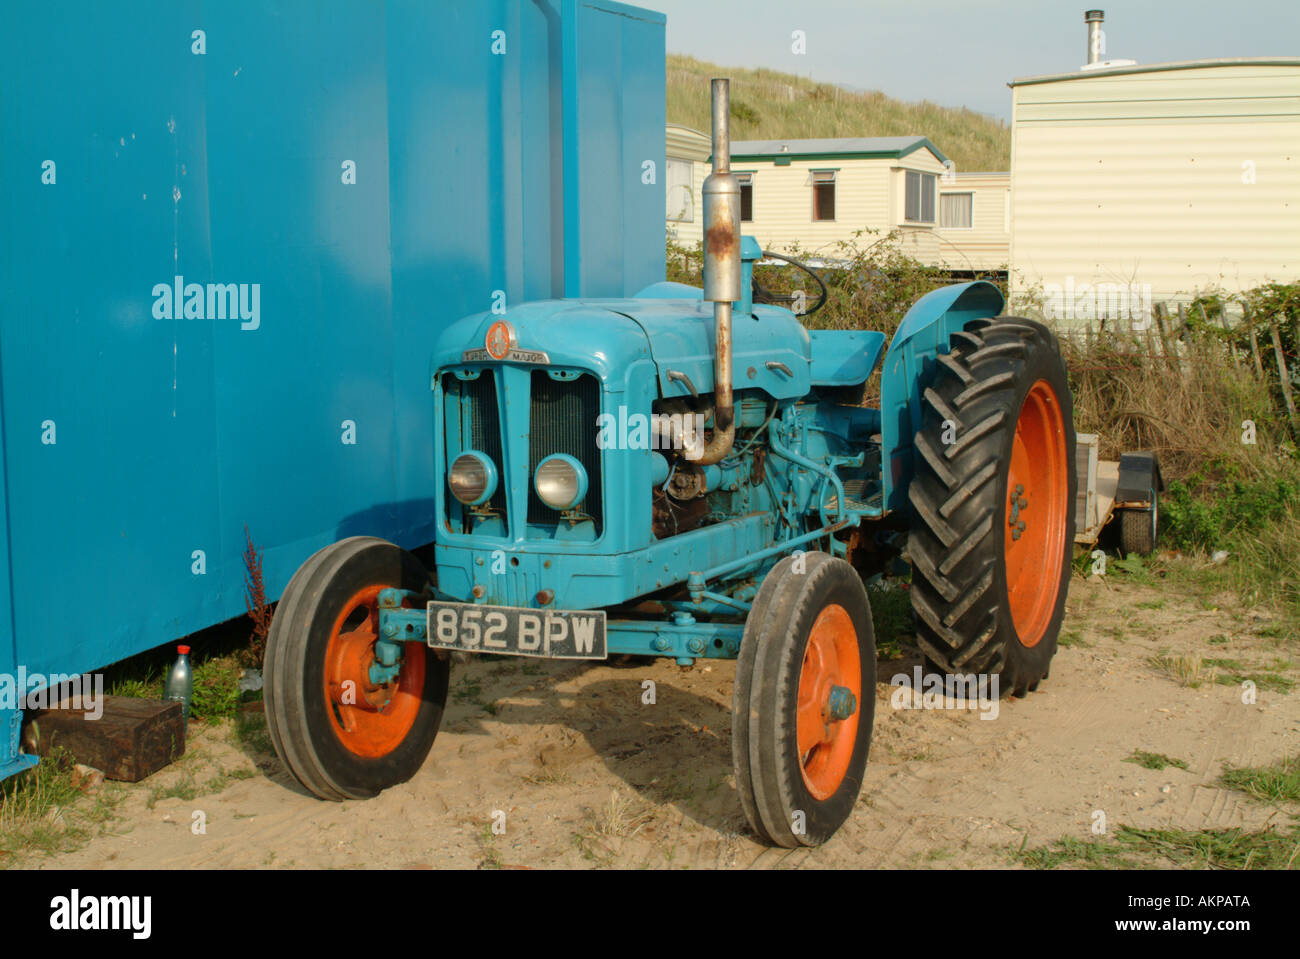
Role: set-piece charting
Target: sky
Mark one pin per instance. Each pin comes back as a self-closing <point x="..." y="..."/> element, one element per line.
<point x="963" y="53"/>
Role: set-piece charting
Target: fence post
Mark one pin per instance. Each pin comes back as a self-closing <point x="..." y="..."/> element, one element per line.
<point x="1283" y="377"/>
<point x="1169" y="353"/>
<point x="1254" y="340"/>
<point x="1223" y="320"/>
<point x="1254" y="349"/>
<point x="1185" y="335"/>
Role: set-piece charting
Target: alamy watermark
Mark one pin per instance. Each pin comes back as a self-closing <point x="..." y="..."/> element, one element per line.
<point x="656" y="431"/>
<point x="952" y="691"/>
<point x="24" y="690"/>
<point x="179" y="300"/>
<point x="75" y="912"/>
<point x="1096" y="301"/>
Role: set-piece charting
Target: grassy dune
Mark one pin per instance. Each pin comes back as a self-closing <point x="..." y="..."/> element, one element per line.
<point x="770" y="105"/>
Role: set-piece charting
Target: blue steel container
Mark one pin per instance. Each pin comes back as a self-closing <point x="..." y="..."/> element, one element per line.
<point x="230" y="235"/>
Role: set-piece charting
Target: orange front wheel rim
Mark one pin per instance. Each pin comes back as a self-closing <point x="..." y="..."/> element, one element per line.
<point x="369" y="719"/>
<point x="1036" y="513"/>
<point x="829" y="702"/>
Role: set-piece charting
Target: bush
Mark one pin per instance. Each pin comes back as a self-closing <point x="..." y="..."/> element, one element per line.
<point x="871" y="283"/>
<point x="1214" y="521"/>
<point x="1187" y="408"/>
<point x="216" y="689"/>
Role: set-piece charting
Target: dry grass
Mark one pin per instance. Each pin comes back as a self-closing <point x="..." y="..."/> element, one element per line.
<point x="769" y="105"/>
<point x="43" y="811"/>
<point x="1188" y="671"/>
<point x="622" y="817"/>
<point x="1187" y="406"/>
<point x="1187" y="398"/>
<point x="1267" y="571"/>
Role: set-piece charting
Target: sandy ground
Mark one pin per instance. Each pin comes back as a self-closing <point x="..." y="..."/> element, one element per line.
<point x="587" y="775"/>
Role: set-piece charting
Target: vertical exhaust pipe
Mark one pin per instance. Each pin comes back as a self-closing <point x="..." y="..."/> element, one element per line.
<point x="722" y="280"/>
<point x="1094" y="18"/>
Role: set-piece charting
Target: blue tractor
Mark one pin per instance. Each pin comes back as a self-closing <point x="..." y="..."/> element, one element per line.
<point x="691" y="474"/>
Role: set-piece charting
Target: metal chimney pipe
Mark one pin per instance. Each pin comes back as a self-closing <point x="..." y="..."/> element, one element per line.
<point x="722" y="275"/>
<point x="1094" y="18"/>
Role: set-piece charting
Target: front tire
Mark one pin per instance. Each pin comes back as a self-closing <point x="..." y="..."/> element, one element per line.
<point x="993" y="504"/>
<point x="338" y="734"/>
<point x="804" y="700"/>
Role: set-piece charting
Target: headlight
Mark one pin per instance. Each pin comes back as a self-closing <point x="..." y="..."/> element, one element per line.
<point x="561" y="482"/>
<point x="473" y="478"/>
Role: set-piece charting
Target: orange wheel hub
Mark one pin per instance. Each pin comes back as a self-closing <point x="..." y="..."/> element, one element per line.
<point x="1038" y="486"/>
<point x="830" y="695"/>
<point x="369" y="719"/>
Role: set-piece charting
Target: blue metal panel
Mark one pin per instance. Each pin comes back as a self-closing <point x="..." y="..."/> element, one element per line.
<point x="909" y="368"/>
<point x="613" y="40"/>
<point x="11" y="758"/>
<point x="844" y="357"/>
<point x="669" y="290"/>
<point x="228" y="167"/>
<point x="122" y="485"/>
<point x="293" y="96"/>
<point x="587" y="579"/>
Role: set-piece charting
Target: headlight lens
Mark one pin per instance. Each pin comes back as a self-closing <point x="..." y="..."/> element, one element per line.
<point x="473" y="478"/>
<point x="560" y="481"/>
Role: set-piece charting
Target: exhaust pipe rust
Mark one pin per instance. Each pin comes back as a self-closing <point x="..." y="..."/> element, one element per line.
<point x="722" y="275"/>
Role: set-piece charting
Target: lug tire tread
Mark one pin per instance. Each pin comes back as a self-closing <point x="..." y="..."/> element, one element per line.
<point x="963" y="619"/>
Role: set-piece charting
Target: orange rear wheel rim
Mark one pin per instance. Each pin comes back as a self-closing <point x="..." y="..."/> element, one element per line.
<point x="1035" y="514"/>
<point x="369" y="720"/>
<point x="831" y="660"/>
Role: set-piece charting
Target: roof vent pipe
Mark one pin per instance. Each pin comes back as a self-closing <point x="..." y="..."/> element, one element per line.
<point x="1094" y="18"/>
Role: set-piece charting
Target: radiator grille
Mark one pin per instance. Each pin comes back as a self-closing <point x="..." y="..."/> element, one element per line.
<point x="563" y="420"/>
<point x="481" y="422"/>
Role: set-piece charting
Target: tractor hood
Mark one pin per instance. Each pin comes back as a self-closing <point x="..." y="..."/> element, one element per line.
<point x="770" y="348"/>
<point x="584" y="334"/>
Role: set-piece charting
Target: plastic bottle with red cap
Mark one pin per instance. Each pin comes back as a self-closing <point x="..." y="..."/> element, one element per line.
<point x="180" y="681"/>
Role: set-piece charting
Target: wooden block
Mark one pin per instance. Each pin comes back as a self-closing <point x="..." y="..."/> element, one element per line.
<point x="134" y="738"/>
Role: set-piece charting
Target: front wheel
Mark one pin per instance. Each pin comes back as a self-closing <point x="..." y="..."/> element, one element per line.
<point x="341" y="734"/>
<point x="804" y="700"/>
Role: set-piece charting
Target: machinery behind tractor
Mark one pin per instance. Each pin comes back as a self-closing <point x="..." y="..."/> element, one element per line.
<point x="692" y="474"/>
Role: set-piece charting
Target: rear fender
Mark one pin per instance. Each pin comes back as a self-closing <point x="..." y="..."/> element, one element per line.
<point x="910" y="366"/>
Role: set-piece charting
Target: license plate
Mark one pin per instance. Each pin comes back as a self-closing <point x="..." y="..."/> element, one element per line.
<point x="511" y="631"/>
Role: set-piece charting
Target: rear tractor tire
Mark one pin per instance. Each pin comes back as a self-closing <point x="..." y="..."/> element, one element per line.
<point x="804" y="700"/>
<point x="993" y="505"/>
<point x="339" y="734"/>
